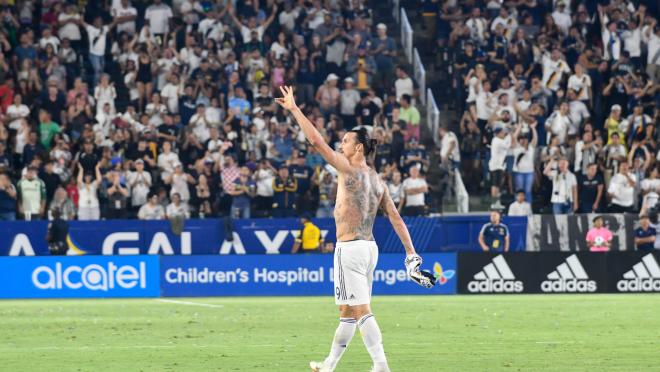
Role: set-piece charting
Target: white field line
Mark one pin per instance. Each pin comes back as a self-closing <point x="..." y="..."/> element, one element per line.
<point x="117" y="347"/>
<point x="188" y="303"/>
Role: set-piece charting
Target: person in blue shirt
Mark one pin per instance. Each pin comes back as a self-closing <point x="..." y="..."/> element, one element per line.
<point x="494" y="236"/>
<point x="240" y="106"/>
<point x="644" y="235"/>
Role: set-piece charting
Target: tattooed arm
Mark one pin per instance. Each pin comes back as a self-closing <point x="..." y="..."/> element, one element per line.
<point x="390" y="210"/>
<point x="335" y="159"/>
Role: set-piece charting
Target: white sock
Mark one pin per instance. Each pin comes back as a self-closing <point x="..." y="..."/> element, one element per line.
<point x="343" y="336"/>
<point x="373" y="340"/>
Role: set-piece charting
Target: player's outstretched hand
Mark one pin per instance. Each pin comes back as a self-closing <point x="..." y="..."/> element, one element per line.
<point x="423" y="278"/>
<point x="286" y="101"/>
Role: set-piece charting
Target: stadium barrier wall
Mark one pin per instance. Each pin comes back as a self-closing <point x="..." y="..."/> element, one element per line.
<point x="79" y="277"/>
<point x="302" y="275"/>
<point x="567" y="232"/>
<point x="250" y="236"/>
<point x="176" y="276"/>
<point x="558" y="272"/>
<point x="261" y="275"/>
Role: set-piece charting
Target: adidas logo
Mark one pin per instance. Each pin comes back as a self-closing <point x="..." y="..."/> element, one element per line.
<point x="643" y="277"/>
<point x="569" y="277"/>
<point x="495" y="277"/>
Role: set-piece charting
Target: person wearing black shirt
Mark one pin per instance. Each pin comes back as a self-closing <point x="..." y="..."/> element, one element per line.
<point x="32" y="149"/>
<point x="58" y="229"/>
<point x="169" y="131"/>
<point x="365" y="111"/>
<point x="302" y="173"/>
<point x="51" y="180"/>
<point x="645" y="235"/>
<point x="590" y="189"/>
<point x="88" y="158"/>
<point x="143" y="152"/>
<point x="7" y="199"/>
<point x="187" y="105"/>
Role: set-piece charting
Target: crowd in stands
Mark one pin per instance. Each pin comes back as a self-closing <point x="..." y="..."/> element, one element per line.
<point x="158" y="109"/>
<point x="557" y="99"/>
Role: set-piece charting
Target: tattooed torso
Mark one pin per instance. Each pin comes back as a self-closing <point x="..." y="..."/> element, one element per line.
<point x="359" y="193"/>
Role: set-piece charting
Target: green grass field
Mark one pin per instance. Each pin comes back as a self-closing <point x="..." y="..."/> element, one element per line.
<point x="449" y="333"/>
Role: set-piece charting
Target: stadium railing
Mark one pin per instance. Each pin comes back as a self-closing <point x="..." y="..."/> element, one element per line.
<point x="406" y="36"/>
<point x="420" y="76"/>
<point x="432" y="116"/>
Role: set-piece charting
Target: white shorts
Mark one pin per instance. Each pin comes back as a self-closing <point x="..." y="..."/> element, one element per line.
<point x="355" y="262"/>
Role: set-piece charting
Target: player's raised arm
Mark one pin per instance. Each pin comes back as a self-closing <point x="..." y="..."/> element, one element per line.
<point x="335" y="159"/>
<point x="389" y="209"/>
<point x="413" y="261"/>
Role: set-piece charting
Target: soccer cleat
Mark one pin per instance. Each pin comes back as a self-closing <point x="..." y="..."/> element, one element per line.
<point x="318" y="367"/>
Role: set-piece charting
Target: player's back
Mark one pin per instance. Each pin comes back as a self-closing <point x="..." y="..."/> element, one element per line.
<point x="359" y="192"/>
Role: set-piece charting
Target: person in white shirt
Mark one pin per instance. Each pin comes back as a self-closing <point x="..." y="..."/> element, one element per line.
<point x="621" y="190"/>
<point x="586" y="153"/>
<point x="651" y="36"/>
<point x="125" y="16"/>
<point x="558" y="123"/>
<point x="520" y="207"/>
<point x="46" y="38"/>
<point x="158" y="16"/>
<point x="17" y="112"/>
<point x="612" y="42"/>
<point x="508" y="21"/>
<point x="171" y="92"/>
<point x="348" y="100"/>
<point x="632" y="41"/>
<point x="88" y="200"/>
<point x="523" y="160"/>
<point x="650" y="190"/>
<point x="561" y="18"/>
<point x="246" y="30"/>
<point x="499" y="147"/>
<point x="289" y="15"/>
<point x="403" y="84"/>
<point x="483" y="104"/>
<point x="264" y="177"/>
<point x="478" y="26"/>
<point x="578" y="113"/>
<point x="177" y="209"/>
<point x="553" y="69"/>
<point x="97" y="34"/>
<point x="449" y="148"/>
<point x="581" y="84"/>
<point x="105" y="93"/>
<point x="68" y="26"/>
<point x="140" y="184"/>
<point x="395" y="187"/>
<point x="166" y="161"/>
<point x="414" y="188"/>
<point x="152" y="210"/>
<point x="564" y="187"/>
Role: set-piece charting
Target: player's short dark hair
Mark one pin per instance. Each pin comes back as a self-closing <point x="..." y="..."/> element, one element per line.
<point x="363" y="137"/>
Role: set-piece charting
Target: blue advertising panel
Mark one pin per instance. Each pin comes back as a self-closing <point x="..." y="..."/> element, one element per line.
<point x="263" y="275"/>
<point x="79" y="277"/>
<point x="249" y="236"/>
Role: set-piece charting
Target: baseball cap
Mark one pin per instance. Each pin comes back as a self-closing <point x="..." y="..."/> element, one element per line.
<point x="616" y="108"/>
<point x="381" y="26"/>
<point x="139" y="161"/>
<point x="349" y="80"/>
<point x="332" y="76"/>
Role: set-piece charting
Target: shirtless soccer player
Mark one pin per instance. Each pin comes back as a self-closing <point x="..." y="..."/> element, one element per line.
<point x="359" y="195"/>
